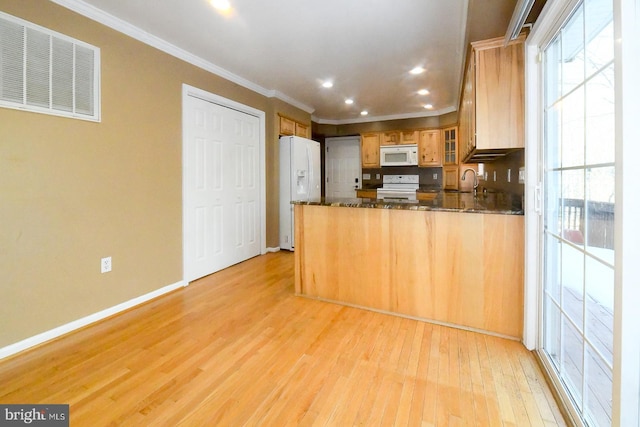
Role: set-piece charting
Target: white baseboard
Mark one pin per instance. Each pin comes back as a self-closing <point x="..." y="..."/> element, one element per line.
<point x="276" y="249"/>
<point x="80" y="323"/>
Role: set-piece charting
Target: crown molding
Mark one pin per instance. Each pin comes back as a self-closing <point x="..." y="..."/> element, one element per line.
<point x="368" y="119"/>
<point x="286" y="98"/>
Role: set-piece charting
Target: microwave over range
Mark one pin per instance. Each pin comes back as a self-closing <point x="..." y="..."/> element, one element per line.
<point x="399" y="155"/>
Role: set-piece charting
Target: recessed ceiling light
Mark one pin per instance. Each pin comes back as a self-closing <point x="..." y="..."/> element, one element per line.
<point x="327" y="84"/>
<point x="417" y="70"/>
<point x="423" y="92"/>
<point x="364" y="113"/>
<point x="221" y="5"/>
<point x="428" y="106"/>
<point x="348" y="101"/>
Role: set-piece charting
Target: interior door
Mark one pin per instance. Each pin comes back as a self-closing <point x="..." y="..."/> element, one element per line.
<point x="342" y="166"/>
<point x="220" y="187"/>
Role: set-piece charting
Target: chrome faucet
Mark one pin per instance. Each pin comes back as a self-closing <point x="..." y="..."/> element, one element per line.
<point x="475" y="178"/>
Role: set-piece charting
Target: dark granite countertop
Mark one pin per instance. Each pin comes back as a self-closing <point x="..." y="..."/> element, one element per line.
<point x="489" y="203"/>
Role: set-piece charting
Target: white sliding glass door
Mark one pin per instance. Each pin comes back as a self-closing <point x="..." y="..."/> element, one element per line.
<point x="579" y="171"/>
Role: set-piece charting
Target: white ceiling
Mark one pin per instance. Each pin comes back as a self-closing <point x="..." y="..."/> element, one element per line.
<point x="286" y="48"/>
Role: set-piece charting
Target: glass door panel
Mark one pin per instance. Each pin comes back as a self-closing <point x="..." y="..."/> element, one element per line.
<point x="578" y="214"/>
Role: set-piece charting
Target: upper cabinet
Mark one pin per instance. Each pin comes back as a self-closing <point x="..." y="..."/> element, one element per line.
<point x="429" y="148"/>
<point x="390" y="138"/>
<point x="450" y="146"/>
<point x="291" y="127"/>
<point x="399" y="137"/>
<point x="370" y="149"/>
<point x="492" y="107"/>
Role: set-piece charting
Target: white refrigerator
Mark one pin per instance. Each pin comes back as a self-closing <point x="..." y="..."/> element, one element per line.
<point x="299" y="180"/>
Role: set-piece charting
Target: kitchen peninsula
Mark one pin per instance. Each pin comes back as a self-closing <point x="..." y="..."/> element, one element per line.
<point x="457" y="259"/>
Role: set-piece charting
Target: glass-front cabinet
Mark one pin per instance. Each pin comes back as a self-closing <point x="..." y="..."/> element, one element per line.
<point x="450" y="152"/>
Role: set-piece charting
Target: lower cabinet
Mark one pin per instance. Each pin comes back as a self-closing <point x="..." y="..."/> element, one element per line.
<point x="367" y="194"/>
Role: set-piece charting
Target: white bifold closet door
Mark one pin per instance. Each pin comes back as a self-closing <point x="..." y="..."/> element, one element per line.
<point x="221" y="194"/>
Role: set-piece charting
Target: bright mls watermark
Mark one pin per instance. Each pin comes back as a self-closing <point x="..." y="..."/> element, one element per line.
<point x="34" y="415"/>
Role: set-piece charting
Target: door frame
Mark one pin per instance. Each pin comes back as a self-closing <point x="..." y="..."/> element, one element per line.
<point x="187" y="91"/>
<point x="332" y="139"/>
<point x="626" y="369"/>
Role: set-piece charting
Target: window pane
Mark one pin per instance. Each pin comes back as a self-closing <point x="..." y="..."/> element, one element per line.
<point x="571" y="369"/>
<point x="573" y="129"/>
<point x="553" y="68"/>
<point x="600" y="212"/>
<point x="553" y="272"/>
<point x="573" y="52"/>
<point x="600" y="123"/>
<point x="599" y="33"/>
<point x="572" y="283"/>
<point x="552" y="331"/>
<point x="552" y="137"/>
<point x="553" y="202"/>
<point x="599" y="313"/>
<point x="598" y="378"/>
<point x="573" y="205"/>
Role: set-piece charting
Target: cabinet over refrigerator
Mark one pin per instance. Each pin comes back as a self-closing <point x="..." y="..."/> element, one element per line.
<point x="299" y="181"/>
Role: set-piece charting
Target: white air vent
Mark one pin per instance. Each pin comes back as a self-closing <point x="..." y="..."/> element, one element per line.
<point x="47" y="72"/>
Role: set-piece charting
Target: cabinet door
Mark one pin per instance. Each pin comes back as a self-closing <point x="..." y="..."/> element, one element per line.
<point x="367" y="194"/>
<point x="409" y="137"/>
<point x="499" y="97"/>
<point x="450" y="177"/>
<point x="467" y="111"/>
<point x="370" y="150"/>
<point x="287" y="126"/>
<point x="429" y="148"/>
<point x="450" y="146"/>
<point x="390" y="138"/>
<point x="302" y="130"/>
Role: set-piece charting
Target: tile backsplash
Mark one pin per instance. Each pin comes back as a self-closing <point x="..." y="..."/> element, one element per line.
<point x="429" y="177"/>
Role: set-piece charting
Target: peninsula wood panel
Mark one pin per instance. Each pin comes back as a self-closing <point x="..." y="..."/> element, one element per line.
<point x="459" y="268"/>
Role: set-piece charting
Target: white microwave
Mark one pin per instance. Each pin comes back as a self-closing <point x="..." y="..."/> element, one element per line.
<point x="399" y="155"/>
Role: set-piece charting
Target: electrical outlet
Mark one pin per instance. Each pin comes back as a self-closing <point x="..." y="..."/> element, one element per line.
<point x="435" y="176"/>
<point x="377" y="176"/>
<point x="105" y="265"/>
<point x="521" y="175"/>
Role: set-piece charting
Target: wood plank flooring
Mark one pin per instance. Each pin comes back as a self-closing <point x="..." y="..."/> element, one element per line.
<point x="238" y="348"/>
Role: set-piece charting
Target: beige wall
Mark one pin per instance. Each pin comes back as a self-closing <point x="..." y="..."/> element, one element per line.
<point x="72" y="192"/>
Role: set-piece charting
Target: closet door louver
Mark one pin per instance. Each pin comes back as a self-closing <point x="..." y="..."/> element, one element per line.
<point x="47" y="72"/>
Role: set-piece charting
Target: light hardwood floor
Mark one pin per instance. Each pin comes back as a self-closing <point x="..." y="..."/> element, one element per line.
<point x="238" y="348"/>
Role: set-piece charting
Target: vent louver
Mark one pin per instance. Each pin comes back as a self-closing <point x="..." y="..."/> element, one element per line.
<point x="47" y="72"/>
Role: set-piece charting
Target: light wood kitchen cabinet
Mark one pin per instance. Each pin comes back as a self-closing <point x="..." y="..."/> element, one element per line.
<point x="400" y="137"/>
<point x="367" y="194"/>
<point x="426" y="196"/>
<point x="450" y="146"/>
<point x="302" y="130"/>
<point x="390" y="138"/>
<point x="370" y="149"/>
<point x="450" y="177"/>
<point x="492" y="107"/>
<point x="287" y="126"/>
<point x="291" y="127"/>
<point x="409" y="137"/>
<point x="429" y="148"/>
